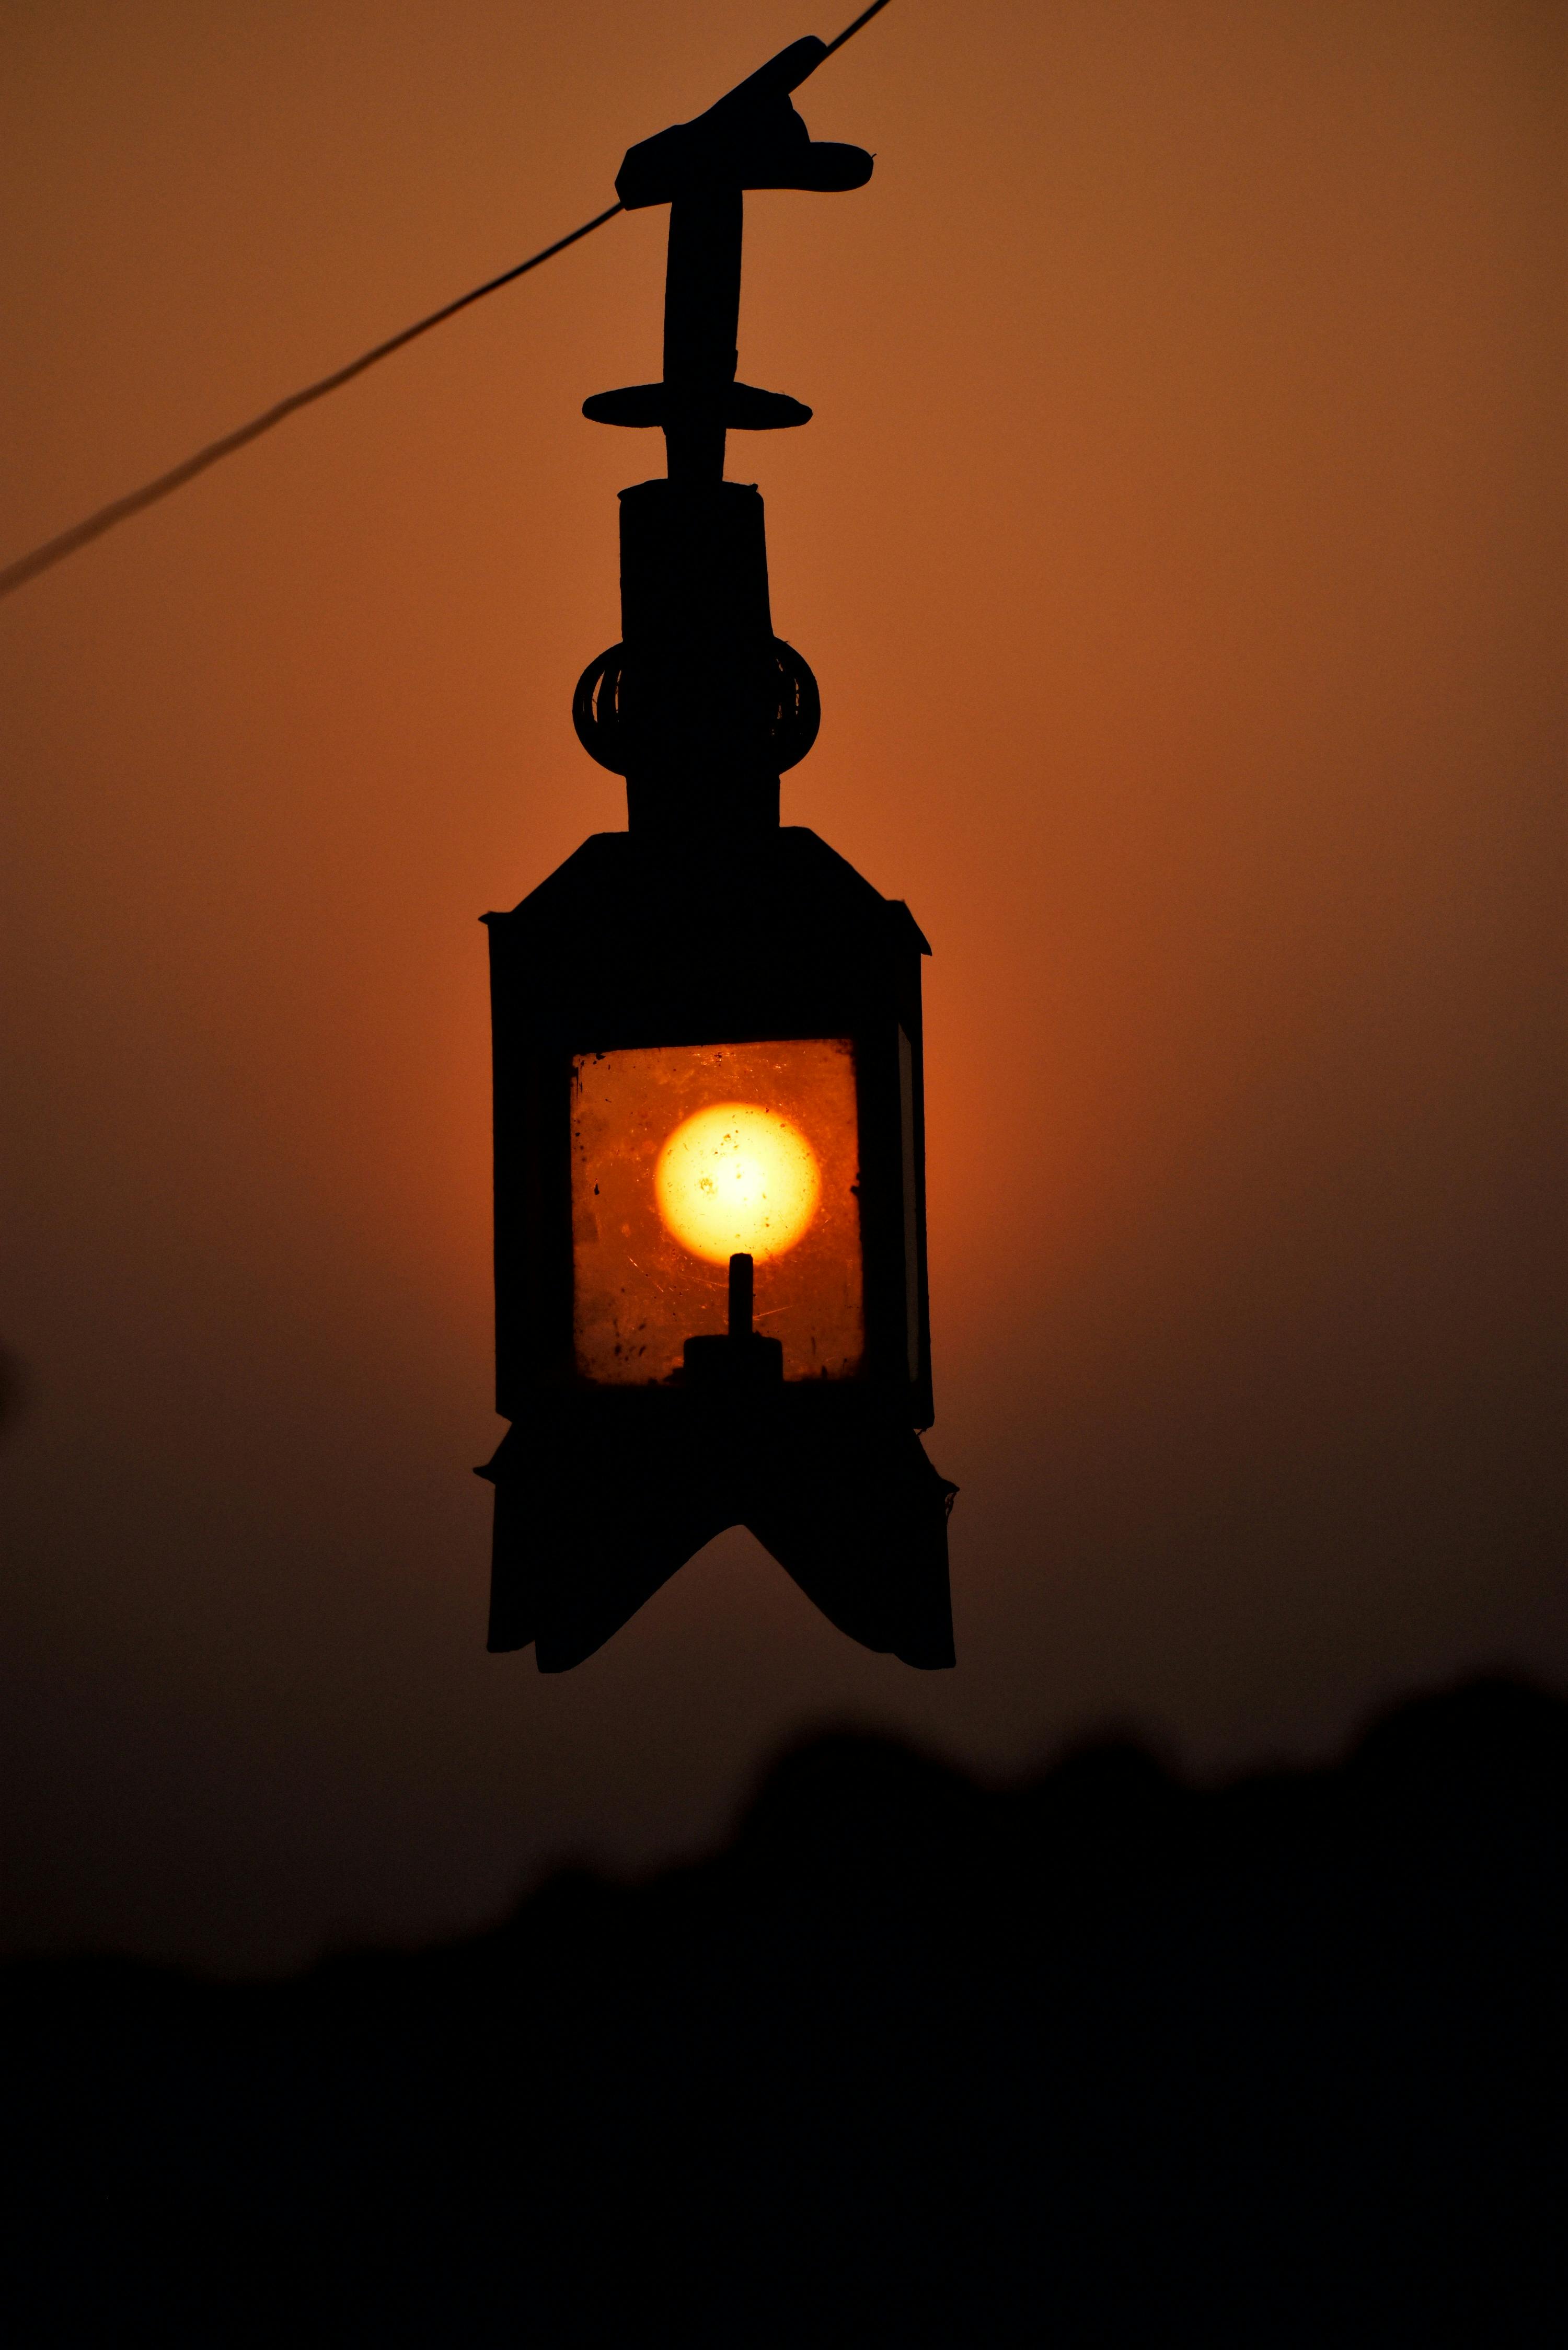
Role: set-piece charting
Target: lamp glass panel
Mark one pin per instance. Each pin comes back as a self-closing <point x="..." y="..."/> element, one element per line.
<point x="683" y="1154"/>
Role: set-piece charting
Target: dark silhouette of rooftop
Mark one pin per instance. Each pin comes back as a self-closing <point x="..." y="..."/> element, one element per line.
<point x="1099" y="2059"/>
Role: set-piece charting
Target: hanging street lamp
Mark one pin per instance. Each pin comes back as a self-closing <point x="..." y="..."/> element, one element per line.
<point x="710" y="1117"/>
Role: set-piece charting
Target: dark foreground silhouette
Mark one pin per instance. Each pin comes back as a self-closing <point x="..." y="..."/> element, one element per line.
<point x="1101" y="2060"/>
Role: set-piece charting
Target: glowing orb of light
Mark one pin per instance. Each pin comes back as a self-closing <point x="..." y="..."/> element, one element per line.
<point x="737" y="1178"/>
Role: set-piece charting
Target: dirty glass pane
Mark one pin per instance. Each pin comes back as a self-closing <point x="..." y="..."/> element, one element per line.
<point x="681" y="1154"/>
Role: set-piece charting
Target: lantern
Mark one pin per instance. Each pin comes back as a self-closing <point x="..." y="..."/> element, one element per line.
<point x="710" y="1205"/>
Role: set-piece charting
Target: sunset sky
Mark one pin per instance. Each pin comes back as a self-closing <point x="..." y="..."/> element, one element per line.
<point x="1178" y="544"/>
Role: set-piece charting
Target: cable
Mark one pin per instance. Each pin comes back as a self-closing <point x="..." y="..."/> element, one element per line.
<point x="55" y="550"/>
<point x="850" y="30"/>
<point x="82" y="534"/>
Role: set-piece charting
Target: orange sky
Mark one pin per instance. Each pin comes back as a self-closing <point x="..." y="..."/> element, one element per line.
<point x="1178" y="546"/>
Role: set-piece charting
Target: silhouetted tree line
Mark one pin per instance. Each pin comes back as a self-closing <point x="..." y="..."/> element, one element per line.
<point x="1101" y="2060"/>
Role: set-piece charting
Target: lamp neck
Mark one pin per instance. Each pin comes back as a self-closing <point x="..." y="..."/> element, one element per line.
<point x="699" y="670"/>
<point x="701" y="318"/>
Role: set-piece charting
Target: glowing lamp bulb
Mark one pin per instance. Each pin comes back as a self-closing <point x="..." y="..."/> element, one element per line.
<point x="737" y="1178"/>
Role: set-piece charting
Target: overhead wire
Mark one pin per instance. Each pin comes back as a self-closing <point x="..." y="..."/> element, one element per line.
<point x="55" y="550"/>
<point x="82" y="534"/>
<point x="850" y="30"/>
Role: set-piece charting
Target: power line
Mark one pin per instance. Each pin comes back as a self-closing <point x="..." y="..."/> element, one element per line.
<point x="82" y="534"/>
<point x="850" y="30"/>
<point x="55" y="550"/>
